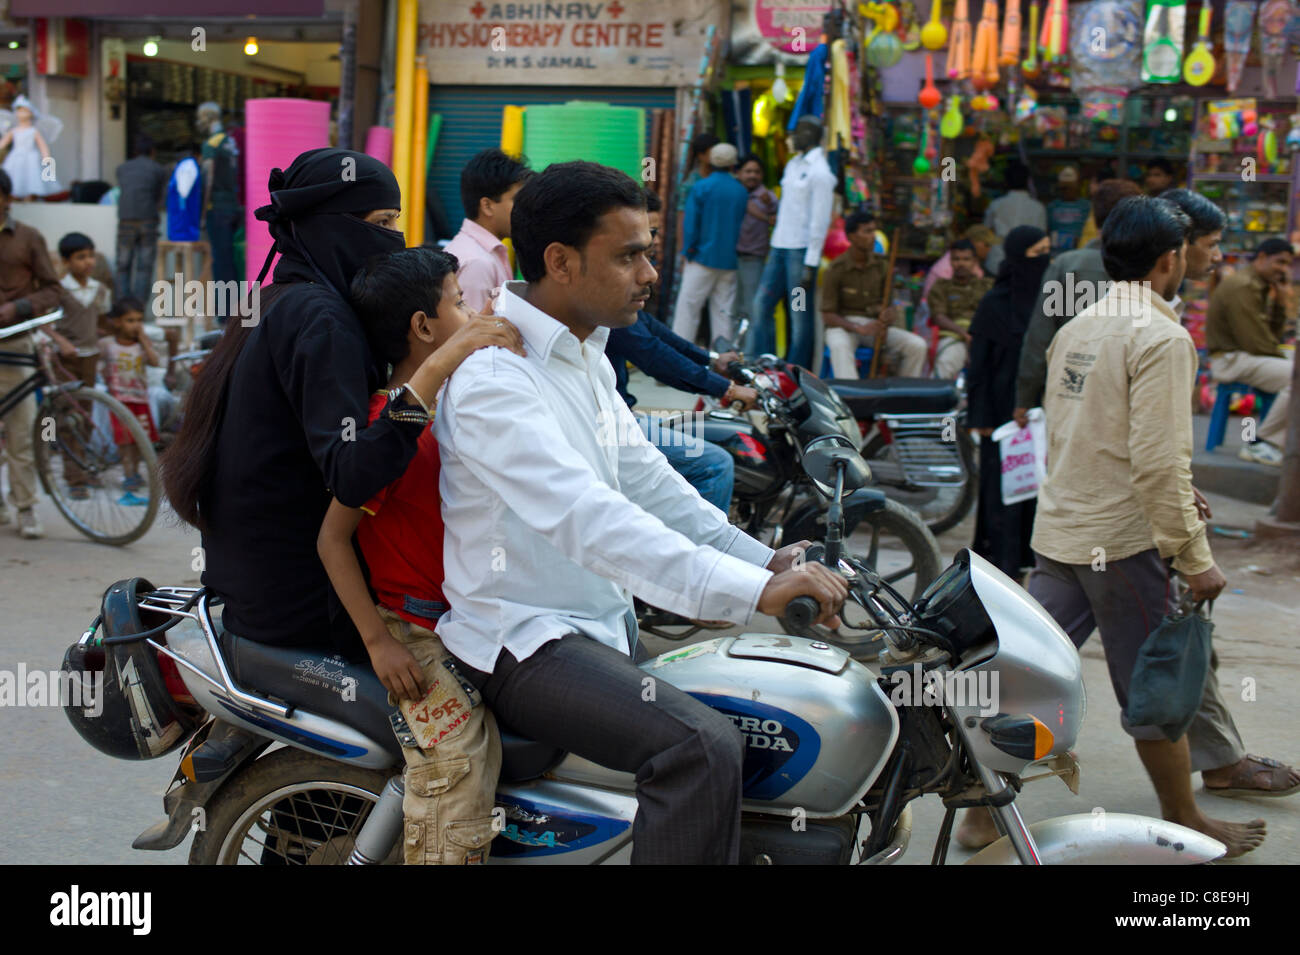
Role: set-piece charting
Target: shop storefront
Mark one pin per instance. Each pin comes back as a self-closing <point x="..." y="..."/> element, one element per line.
<point x="946" y="95"/>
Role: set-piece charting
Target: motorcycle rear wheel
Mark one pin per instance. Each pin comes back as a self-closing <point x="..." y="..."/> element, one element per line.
<point x="942" y="508"/>
<point x="289" y="808"/>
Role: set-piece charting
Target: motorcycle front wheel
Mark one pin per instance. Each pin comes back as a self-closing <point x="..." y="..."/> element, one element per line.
<point x="289" y="808"/>
<point x="896" y="544"/>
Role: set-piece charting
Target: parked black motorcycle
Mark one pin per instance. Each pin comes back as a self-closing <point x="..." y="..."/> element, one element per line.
<point x="776" y="502"/>
<point x="915" y="439"/>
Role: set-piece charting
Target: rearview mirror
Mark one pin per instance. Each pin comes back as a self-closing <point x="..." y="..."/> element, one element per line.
<point x="823" y="456"/>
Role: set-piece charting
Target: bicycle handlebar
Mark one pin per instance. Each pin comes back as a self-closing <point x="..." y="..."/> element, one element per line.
<point x="50" y="317"/>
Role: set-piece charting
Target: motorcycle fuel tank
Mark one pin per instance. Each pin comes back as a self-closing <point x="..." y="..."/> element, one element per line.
<point x="818" y="729"/>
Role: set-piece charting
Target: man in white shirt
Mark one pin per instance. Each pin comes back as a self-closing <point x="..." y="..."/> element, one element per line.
<point x="802" y="218"/>
<point x="488" y="184"/>
<point x="557" y="510"/>
<point x="1017" y="207"/>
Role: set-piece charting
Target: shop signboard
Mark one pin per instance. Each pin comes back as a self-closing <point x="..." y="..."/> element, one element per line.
<point x="614" y="43"/>
<point x="166" y="8"/>
<point x="62" y="46"/>
<point x="765" y="31"/>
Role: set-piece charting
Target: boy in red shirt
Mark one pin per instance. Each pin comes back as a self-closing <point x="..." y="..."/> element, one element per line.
<point x="416" y="321"/>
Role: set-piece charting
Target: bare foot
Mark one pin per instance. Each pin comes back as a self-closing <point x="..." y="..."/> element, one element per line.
<point x="1239" y="837"/>
<point x="977" y="829"/>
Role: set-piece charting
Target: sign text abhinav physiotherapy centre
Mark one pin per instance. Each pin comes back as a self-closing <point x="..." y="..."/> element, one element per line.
<point x="614" y="43"/>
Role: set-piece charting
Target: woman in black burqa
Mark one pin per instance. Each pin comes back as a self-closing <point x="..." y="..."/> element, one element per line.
<point x="997" y="331"/>
<point x="276" y="421"/>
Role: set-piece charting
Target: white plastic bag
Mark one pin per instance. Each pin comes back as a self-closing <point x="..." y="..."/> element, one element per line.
<point x="1023" y="452"/>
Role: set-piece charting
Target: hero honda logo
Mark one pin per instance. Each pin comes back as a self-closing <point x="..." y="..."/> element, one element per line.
<point x="761" y="734"/>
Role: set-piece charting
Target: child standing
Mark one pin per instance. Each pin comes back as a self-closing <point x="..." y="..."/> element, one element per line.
<point x="125" y="354"/>
<point x="25" y="163"/>
<point x="417" y="322"/>
<point x="84" y="301"/>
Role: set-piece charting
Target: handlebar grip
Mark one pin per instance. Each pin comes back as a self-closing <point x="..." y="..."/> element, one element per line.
<point x="802" y="611"/>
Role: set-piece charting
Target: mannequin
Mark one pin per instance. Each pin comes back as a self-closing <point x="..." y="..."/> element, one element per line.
<point x="802" y="219"/>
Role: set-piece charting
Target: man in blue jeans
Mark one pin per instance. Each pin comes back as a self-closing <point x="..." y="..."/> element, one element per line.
<point x="802" y="218"/>
<point x="672" y="360"/>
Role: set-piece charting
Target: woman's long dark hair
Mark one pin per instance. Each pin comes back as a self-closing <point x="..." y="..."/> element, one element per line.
<point x="188" y="460"/>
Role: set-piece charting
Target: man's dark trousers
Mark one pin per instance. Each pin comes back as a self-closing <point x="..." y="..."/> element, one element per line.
<point x="593" y="701"/>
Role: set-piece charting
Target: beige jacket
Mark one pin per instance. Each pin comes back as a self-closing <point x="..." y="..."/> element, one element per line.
<point x="1119" y="425"/>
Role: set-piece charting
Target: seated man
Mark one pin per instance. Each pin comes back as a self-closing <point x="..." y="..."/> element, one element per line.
<point x="673" y="361"/>
<point x="853" y="306"/>
<point x="550" y="528"/>
<point x="952" y="306"/>
<point x="1243" y="332"/>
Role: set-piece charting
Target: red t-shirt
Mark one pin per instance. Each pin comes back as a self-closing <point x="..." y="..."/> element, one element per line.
<point x="401" y="535"/>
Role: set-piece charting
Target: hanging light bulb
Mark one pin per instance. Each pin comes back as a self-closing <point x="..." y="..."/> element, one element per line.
<point x="151" y="47"/>
<point x="780" y="92"/>
<point x="1171" y="115"/>
<point x="250" y="46"/>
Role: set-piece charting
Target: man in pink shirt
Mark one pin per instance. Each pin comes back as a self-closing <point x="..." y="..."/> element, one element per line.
<point x="488" y="184"/>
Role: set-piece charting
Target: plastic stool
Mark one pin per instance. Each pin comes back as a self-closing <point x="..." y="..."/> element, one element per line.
<point x="1224" y="395"/>
<point x="862" y="355"/>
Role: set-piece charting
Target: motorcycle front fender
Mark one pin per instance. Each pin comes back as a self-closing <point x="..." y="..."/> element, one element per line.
<point x="802" y="524"/>
<point x="1108" y="838"/>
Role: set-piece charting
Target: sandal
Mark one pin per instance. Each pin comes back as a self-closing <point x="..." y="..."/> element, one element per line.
<point x="1246" y="777"/>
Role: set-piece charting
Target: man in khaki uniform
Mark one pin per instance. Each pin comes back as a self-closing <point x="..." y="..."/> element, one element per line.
<point x="952" y="306"/>
<point x="1243" y="330"/>
<point x="853" y="306"/>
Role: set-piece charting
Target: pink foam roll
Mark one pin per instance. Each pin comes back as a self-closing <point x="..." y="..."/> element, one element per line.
<point x="379" y="143"/>
<point x="278" y="129"/>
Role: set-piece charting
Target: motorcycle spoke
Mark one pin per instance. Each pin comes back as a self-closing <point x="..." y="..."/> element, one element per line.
<point x="295" y="828"/>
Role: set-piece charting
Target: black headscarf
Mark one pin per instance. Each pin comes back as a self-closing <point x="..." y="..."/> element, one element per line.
<point x="1003" y="314"/>
<point x="314" y="215"/>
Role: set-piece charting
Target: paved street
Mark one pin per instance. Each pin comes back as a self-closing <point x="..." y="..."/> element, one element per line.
<point x="66" y="803"/>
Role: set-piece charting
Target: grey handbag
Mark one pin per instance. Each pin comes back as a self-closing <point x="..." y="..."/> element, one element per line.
<point x="1170" y="672"/>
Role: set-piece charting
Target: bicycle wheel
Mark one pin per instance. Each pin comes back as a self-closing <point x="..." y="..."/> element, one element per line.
<point x="82" y="467"/>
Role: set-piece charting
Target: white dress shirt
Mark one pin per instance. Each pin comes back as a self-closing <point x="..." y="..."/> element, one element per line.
<point x="556" y="506"/>
<point x="1016" y="208"/>
<point x="807" y="197"/>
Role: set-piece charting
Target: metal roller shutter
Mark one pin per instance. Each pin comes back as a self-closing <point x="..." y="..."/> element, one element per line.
<point x="471" y="121"/>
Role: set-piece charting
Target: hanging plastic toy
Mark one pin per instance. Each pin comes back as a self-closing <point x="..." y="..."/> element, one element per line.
<point x="1010" y="53"/>
<point x="1029" y="68"/>
<point x="1237" y="21"/>
<point x="1056" y="42"/>
<point x="959" y="65"/>
<point x="1199" y="65"/>
<point x="951" y="125"/>
<point x="984" y="62"/>
<point x="934" y="34"/>
<point x="884" y="49"/>
<point x="929" y="96"/>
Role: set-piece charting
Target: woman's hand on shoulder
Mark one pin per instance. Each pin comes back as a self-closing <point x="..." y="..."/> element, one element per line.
<point x="483" y="331"/>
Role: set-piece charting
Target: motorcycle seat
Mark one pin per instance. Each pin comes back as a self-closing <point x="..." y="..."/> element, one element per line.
<point x="280" y="672"/>
<point x="523" y="759"/>
<point x="312" y="679"/>
<point x="868" y="397"/>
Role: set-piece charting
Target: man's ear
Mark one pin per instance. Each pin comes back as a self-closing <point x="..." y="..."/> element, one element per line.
<point x="485" y="205"/>
<point x="561" y="262"/>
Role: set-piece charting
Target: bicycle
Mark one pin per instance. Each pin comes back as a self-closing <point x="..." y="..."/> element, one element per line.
<point x="75" y="433"/>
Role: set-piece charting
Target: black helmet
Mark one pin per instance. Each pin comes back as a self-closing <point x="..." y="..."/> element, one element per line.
<point x="131" y="714"/>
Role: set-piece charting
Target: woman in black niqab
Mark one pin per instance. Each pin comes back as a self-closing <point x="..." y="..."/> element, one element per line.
<point x="276" y="421"/>
<point x="997" y="332"/>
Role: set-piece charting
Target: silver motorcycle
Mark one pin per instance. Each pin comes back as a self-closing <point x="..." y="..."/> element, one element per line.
<point x="294" y="757"/>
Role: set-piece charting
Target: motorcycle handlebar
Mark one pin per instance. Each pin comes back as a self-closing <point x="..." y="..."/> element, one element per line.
<point x="802" y="611"/>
